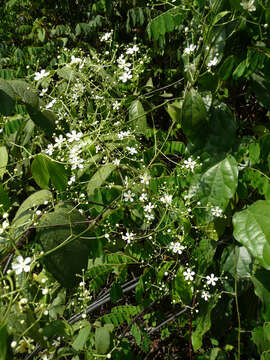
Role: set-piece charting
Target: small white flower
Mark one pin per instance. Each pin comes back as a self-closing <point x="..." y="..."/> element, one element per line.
<point x="176" y="247"/>
<point x="145" y="178"/>
<point x="38" y="212"/>
<point x="212" y="62"/>
<point x="71" y="180"/>
<point x="123" y="134"/>
<point x="248" y="5"/>
<point x="132" y="50"/>
<point x="149" y="216"/>
<point x="148" y="208"/>
<point x="190" y="164"/>
<point x="211" y="280"/>
<point x="43" y="92"/>
<point x="125" y="76"/>
<point x="76" y="162"/>
<point x="5" y="224"/>
<point x="129" y="196"/>
<point x="116" y="105"/>
<point x="131" y="150"/>
<point x="189" y="275"/>
<point x="50" y="105"/>
<point x="143" y="197"/>
<point x="216" y="211"/>
<point x="49" y="150"/>
<point x="40" y="75"/>
<point x="122" y="64"/>
<point x="189" y="50"/>
<point x="128" y="237"/>
<point x="75" y="60"/>
<point x="116" y="162"/>
<point x="13" y="344"/>
<point x="205" y="295"/>
<point x="74" y="136"/>
<point x="59" y="141"/>
<point x="45" y="291"/>
<point x="107" y="36"/>
<point x="166" y="199"/>
<point x="21" y="265"/>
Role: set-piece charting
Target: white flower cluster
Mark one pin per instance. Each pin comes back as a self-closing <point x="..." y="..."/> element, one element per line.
<point x="189" y="164"/>
<point x="123" y="134"/>
<point x="166" y="199"/>
<point x="176" y="247"/>
<point x="74" y="158"/>
<point x="148" y="211"/>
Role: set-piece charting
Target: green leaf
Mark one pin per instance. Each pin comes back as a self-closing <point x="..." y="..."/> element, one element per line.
<point x="58" y="175"/>
<point x="3" y="160"/>
<point x="4" y="199"/>
<point x="67" y="73"/>
<point x="116" y="292"/>
<point x="62" y="228"/>
<point x="239" y="261"/>
<point x="137" y="116"/>
<point x="80" y="341"/>
<point x="181" y="289"/>
<point x="240" y="70"/>
<point x="57" y="307"/>
<point x="226" y="68"/>
<point x="103" y="339"/>
<point x="194" y="117"/>
<point x="252" y="229"/>
<point x="136" y="333"/>
<point x="260" y="336"/>
<point x="7" y="98"/>
<point x="203" y="323"/>
<point x="99" y="177"/>
<point x="3" y="342"/>
<point x="261" y="88"/>
<point x="57" y="328"/>
<point x="175" y="111"/>
<point x="40" y="171"/>
<point x="261" y="282"/>
<point x="218" y="184"/>
<point x="254" y="153"/>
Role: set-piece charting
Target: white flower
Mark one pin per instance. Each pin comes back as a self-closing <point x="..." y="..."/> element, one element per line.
<point x="49" y="150"/>
<point x="189" y="275"/>
<point x="122" y="64"/>
<point x="131" y="150"/>
<point x="74" y="136"/>
<point x="166" y="199"/>
<point x="128" y="237"/>
<point x="45" y="291"/>
<point x="176" y="247"/>
<point x="125" y="76"/>
<point x="143" y="197"/>
<point x="149" y="217"/>
<point x="5" y="224"/>
<point x="212" y="62"/>
<point x="59" y="141"/>
<point x="13" y="344"/>
<point x="123" y="134"/>
<point x="148" y="208"/>
<point x="116" y="162"/>
<point x="21" y="265"/>
<point x="129" y="196"/>
<point x="41" y="74"/>
<point x="248" y="5"/>
<point x="107" y="36"/>
<point x="205" y="295"/>
<point x="75" y="60"/>
<point x="145" y="178"/>
<point x="76" y="162"/>
<point x="189" y="49"/>
<point x="48" y="106"/>
<point x="71" y="180"/>
<point x="132" y="50"/>
<point x="211" y="280"/>
<point x="116" y="105"/>
<point x="190" y="67"/>
<point x="43" y="92"/>
<point x="190" y="164"/>
<point x="216" y="211"/>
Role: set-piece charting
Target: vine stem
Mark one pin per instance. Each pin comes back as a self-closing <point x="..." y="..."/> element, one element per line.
<point x="237" y="309"/>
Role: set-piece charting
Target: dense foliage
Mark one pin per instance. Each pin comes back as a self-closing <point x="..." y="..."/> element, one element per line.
<point x="135" y="186"/>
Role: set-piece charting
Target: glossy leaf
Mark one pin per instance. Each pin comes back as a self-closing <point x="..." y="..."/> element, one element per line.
<point x="40" y="171"/>
<point x="81" y="339"/>
<point x="137" y="116"/>
<point x="62" y="229"/>
<point x="7" y="98"/>
<point x="252" y="228"/>
<point x="99" y="177"/>
<point x="103" y="339"/>
<point x="3" y="160"/>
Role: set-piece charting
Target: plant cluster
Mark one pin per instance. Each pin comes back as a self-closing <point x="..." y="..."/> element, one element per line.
<point x="135" y="188"/>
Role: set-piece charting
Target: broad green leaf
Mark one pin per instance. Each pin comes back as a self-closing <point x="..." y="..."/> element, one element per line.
<point x="25" y="92"/>
<point x="81" y="339"/>
<point x="217" y="43"/>
<point x="136" y="333"/>
<point x="24" y="215"/>
<point x="252" y="228"/>
<point x="261" y="282"/>
<point x="57" y="307"/>
<point x="137" y="116"/>
<point x="61" y="229"/>
<point x="203" y="323"/>
<point x="181" y="289"/>
<point x="58" y="175"/>
<point x="40" y="171"/>
<point x="239" y="261"/>
<point x="218" y="184"/>
<point x="116" y="292"/>
<point x="67" y="73"/>
<point x="45" y="119"/>
<point x="226" y="68"/>
<point x="3" y="160"/>
<point x="13" y="124"/>
<point x="103" y="339"/>
<point x="175" y="111"/>
<point x="261" y="88"/>
<point x="222" y="130"/>
<point x="7" y="98"/>
<point x="260" y="336"/>
<point x="240" y="70"/>
<point x="99" y="177"/>
<point x="254" y="153"/>
<point x="194" y="117"/>
<point x="57" y="328"/>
